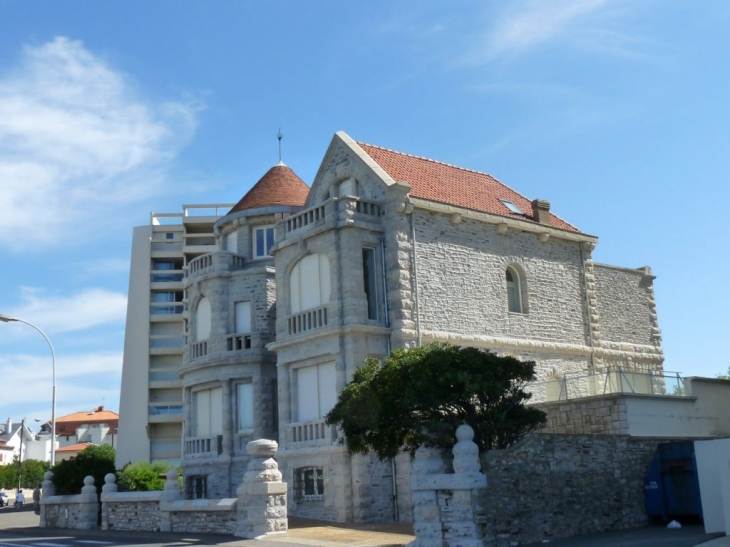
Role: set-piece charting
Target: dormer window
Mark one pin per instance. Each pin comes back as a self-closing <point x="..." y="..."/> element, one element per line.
<point x="263" y="238"/>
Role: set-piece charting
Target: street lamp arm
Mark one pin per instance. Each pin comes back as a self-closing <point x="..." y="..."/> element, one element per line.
<point x="8" y="319"/>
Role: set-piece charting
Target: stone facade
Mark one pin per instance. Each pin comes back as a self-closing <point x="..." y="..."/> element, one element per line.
<point x="366" y="266"/>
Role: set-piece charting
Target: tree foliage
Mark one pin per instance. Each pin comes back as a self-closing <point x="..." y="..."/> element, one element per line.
<point x="97" y="461"/>
<point x="31" y="473"/>
<point x="142" y="476"/>
<point x="421" y="395"/>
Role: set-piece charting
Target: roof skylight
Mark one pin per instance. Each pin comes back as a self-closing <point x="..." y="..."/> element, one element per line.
<point x="512" y="207"/>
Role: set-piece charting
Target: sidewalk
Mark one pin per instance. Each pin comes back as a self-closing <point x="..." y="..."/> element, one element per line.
<point x="308" y="533"/>
<point x="302" y="533"/>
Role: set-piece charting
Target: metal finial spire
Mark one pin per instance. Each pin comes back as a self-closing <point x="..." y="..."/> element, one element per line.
<point x="279" y="136"/>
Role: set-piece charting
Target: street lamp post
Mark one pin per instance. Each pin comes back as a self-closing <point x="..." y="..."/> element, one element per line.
<point x="9" y="319"/>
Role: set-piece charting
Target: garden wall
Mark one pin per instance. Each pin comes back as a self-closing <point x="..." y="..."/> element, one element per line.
<point x="550" y="485"/>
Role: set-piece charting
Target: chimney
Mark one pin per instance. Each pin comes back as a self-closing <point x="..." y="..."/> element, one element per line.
<point x="100" y="409"/>
<point x="541" y="211"/>
<point x="9" y="425"/>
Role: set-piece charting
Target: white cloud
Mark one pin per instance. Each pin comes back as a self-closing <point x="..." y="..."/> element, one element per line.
<point x="83" y="381"/>
<point x="76" y="143"/>
<point x="55" y="314"/>
<point x="583" y="24"/>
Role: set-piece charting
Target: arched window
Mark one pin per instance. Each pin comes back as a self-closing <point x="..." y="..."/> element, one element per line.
<point x="202" y="320"/>
<point x="309" y="283"/>
<point x="514" y="292"/>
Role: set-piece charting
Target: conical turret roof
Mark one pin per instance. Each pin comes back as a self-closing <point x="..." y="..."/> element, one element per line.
<point x="279" y="186"/>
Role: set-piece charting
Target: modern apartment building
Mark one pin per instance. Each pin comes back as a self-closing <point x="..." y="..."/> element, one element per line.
<point x="151" y="405"/>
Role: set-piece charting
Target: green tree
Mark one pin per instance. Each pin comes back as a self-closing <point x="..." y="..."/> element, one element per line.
<point x="31" y="472"/>
<point x="9" y="475"/>
<point x="725" y="376"/>
<point x="421" y="395"/>
<point x="142" y="476"/>
<point x="97" y="461"/>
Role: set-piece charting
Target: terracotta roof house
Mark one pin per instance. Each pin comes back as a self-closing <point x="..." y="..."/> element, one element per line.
<point x="296" y="286"/>
<point x="97" y="426"/>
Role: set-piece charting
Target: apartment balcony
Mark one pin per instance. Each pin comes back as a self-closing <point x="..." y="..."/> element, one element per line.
<point x="165" y="413"/>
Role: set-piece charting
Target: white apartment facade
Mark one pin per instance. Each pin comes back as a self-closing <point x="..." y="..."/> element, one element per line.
<point x="151" y="405"/>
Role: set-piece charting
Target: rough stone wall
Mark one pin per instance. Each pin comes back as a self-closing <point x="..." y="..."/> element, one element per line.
<point x="203" y="522"/>
<point x="461" y="274"/>
<point x="603" y="415"/>
<point x="626" y="305"/>
<point x="141" y="516"/>
<point x="551" y="486"/>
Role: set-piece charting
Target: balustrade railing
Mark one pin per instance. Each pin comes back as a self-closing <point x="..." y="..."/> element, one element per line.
<point x="204" y="445"/>
<point x="305" y="218"/>
<point x="199" y="349"/>
<point x="308" y="320"/>
<point x="312" y="431"/>
<point x="236" y="342"/>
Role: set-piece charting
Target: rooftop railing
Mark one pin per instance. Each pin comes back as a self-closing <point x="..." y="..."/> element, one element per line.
<point x="606" y="383"/>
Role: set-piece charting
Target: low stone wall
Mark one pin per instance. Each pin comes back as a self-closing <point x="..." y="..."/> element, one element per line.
<point x="138" y="511"/>
<point x="550" y="486"/>
<point x="77" y="512"/>
<point x="601" y="415"/>
<point x="201" y="516"/>
<point x="260" y="513"/>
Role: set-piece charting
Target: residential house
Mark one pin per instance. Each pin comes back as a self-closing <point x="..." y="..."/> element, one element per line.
<point x="386" y="250"/>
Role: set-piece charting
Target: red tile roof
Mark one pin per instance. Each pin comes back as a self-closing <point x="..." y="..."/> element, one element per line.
<point x="73" y="448"/>
<point x="279" y="186"/>
<point x="444" y="183"/>
<point x="89" y="416"/>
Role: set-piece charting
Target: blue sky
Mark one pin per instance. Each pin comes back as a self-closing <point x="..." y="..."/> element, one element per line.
<point x="616" y="111"/>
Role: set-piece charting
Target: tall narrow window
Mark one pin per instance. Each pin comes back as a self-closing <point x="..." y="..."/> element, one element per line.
<point x="514" y="300"/>
<point x="370" y="286"/>
<point x="243" y="317"/>
<point x="245" y="406"/>
<point x="208" y="412"/>
<point x="263" y="241"/>
<point x="309" y="283"/>
<point x="316" y="391"/>
<point x="232" y="242"/>
<point x="202" y="320"/>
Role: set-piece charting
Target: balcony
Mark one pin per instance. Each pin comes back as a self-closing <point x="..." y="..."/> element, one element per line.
<point x="220" y="262"/>
<point x="165" y="413"/>
<point x="345" y="208"/>
<point x="204" y="446"/>
<point x="311" y="433"/>
<point x="199" y="349"/>
<point x="308" y="320"/>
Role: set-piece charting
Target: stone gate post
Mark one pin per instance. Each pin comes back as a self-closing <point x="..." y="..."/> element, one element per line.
<point x="444" y="503"/>
<point x="261" y="503"/>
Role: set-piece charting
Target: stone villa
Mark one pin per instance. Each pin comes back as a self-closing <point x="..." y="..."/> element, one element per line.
<point x="297" y="286"/>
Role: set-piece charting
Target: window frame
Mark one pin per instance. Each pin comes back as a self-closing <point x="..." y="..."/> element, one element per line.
<point x="317" y="483"/>
<point x="514" y="292"/>
<point x="267" y="229"/>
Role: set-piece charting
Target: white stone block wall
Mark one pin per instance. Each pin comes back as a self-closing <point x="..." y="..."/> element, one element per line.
<point x="626" y="305"/>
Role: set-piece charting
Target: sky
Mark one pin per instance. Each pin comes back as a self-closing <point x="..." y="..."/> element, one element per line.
<point x="616" y="111"/>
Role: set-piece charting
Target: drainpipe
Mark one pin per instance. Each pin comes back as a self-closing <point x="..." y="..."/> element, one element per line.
<point x="415" y="283"/>
<point x="396" y="516"/>
<point x="385" y="291"/>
